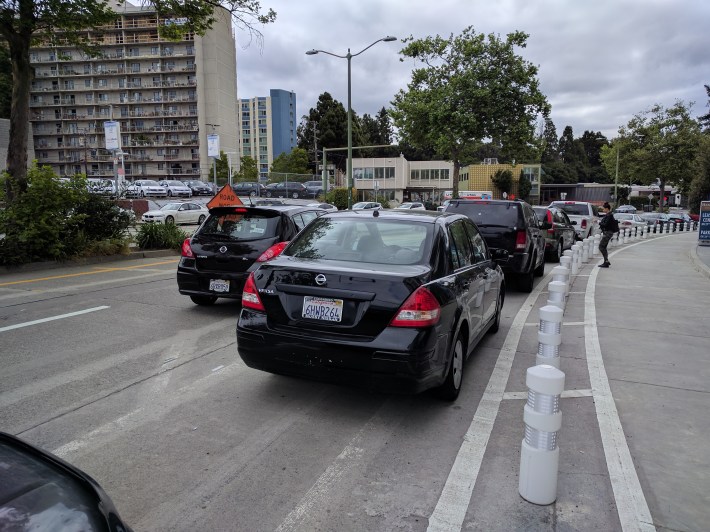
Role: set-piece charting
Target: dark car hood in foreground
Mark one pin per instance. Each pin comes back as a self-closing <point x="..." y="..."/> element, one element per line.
<point x="371" y="295"/>
<point x="39" y="491"/>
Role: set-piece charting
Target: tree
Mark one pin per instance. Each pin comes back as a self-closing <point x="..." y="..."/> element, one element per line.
<point x="223" y="168"/>
<point x="61" y="22"/>
<point x="699" y="189"/>
<point x="471" y="88"/>
<point x="295" y="162"/>
<point x="5" y="81"/>
<point x="524" y="186"/>
<point x="704" y="120"/>
<point x="551" y="149"/>
<point x="331" y="121"/>
<point x="503" y="181"/>
<point x="248" y="171"/>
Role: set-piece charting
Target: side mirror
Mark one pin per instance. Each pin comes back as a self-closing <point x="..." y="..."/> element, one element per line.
<point x="573" y="222"/>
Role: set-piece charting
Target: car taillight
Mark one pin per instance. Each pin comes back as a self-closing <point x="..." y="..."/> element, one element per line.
<point x="186" y="250"/>
<point x="250" y="295"/>
<point x="421" y="309"/>
<point x="551" y="230"/>
<point x="273" y="251"/>
<point x="521" y="240"/>
<point x="584" y="223"/>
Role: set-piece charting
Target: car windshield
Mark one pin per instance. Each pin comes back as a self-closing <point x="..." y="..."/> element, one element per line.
<point x="250" y="226"/>
<point x="571" y="208"/>
<point x="372" y="240"/>
<point x="149" y="183"/>
<point x="170" y="207"/>
<point x="362" y="205"/>
<point x="176" y="183"/>
<point x="620" y="216"/>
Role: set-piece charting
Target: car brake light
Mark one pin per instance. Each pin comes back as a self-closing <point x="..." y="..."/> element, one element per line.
<point x="551" y="230"/>
<point x="186" y="250"/>
<point x="250" y="295"/>
<point x="521" y="240"/>
<point x="421" y="309"/>
<point x="273" y="251"/>
<point x="584" y="223"/>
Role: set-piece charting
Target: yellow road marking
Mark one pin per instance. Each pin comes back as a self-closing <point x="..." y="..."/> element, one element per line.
<point x="101" y="270"/>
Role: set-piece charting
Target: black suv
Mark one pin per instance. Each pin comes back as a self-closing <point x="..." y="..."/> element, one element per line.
<point x="249" y="188"/>
<point x="513" y="227"/>
<point x="232" y="242"/>
<point x="287" y="189"/>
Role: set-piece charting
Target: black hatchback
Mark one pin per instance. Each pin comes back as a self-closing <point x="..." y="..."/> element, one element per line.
<point x="511" y="226"/>
<point x="218" y="257"/>
<point x="396" y="300"/>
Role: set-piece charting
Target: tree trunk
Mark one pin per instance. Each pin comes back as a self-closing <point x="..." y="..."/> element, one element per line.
<point x="661" y="202"/>
<point x="19" y="114"/>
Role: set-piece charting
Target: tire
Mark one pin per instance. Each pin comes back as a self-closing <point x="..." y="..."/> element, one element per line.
<point x="555" y="255"/>
<point x="526" y="281"/>
<point x="449" y="391"/>
<point x="201" y="219"/>
<point x="268" y="193"/>
<point x="204" y="301"/>
<point x="539" y="271"/>
<point x="499" y="310"/>
<point x="170" y="193"/>
<point x="169" y="220"/>
<point x="142" y="194"/>
<point x="294" y="195"/>
<point x="252" y="193"/>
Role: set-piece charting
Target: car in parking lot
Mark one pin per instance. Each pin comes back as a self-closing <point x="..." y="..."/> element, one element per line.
<point x="629" y="221"/>
<point x="199" y="188"/>
<point x="176" y="188"/>
<point x="249" y="188"/>
<point x="629" y="209"/>
<point x="679" y="219"/>
<point x="315" y="188"/>
<point x="390" y="299"/>
<point x="511" y="226"/>
<point x="366" y="205"/>
<point x="286" y="189"/>
<point x="146" y="188"/>
<point x="655" y="220"/>
<point x="324" y="206"/>
<point x="557" y="229"/>
<point x="218" y="257"/>
<point x="177" y="213"/>
<point x="411" y="205"/>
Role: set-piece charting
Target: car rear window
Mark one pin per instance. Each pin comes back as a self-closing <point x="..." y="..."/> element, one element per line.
<point x="571" y="208"/>
<point x="488" y="214"/>
<point x="239" y="227"/>
<point x="373" y="241"/>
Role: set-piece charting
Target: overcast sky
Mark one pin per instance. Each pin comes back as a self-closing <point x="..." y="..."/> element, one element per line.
<point x="600" y="62"/>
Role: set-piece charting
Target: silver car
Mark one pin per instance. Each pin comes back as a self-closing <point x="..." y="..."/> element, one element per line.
<point x="146" y="188"/>
<point x="176" y="188"/>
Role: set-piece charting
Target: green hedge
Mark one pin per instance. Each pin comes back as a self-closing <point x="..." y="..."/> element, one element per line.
<point x="160" y="236"/>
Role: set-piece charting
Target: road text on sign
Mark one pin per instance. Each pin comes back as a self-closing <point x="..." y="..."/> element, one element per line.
<point x="226" y="197"/>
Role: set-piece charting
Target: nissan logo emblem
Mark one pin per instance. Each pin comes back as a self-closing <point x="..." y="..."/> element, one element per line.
<point x="223" y="249"/>
<point x="320" y="279"/>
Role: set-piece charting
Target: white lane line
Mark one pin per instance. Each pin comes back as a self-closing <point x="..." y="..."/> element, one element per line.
<point x="450" y="510"/>
<point x="52" y="318"/>
<point x="628" y="495"/>
<point x="567" y="394"/>
<point x="218" y="368"/>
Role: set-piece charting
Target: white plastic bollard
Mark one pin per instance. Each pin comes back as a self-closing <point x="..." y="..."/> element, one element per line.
<point x="561" y="274"/>
<point x="539" y="453"/>
<point x="566" y="261"/>
<point x="687" y="226"/>
<point x="549" y="336"/>
<point x="584" y="255"/>
<point x="575" y="259"/>
<point x="557" y="290"/>
<point x="595" y="247"/>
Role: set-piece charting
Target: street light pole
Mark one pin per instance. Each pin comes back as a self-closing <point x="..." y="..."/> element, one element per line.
<point x="349" y="56"/>
<point x="616" y="179"/>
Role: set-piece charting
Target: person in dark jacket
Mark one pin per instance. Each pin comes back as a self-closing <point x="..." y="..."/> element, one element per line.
<point x="609" y="226"/>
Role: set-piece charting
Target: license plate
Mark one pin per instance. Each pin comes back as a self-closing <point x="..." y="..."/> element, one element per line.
<point x="322" y="308"/>
<point x="219" y="285"/>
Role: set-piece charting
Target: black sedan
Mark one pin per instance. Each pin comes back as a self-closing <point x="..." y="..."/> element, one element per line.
<point x="218" y="257"/>
<point x="287" y="189"/>
<point x="396" y="300"/>
<point x="199" y="188"/>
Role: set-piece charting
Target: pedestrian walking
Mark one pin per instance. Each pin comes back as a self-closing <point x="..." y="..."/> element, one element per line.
<point x="609" y="226"/>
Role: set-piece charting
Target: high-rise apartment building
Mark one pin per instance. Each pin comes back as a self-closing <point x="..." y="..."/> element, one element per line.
<point x="167" y="97"/>
<point x="268" y="127"/>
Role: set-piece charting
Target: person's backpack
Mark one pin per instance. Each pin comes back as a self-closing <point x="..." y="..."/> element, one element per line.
<point x="609" y="223"/>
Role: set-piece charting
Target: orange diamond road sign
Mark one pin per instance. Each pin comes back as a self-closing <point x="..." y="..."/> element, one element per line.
<point x="226" y="197"/>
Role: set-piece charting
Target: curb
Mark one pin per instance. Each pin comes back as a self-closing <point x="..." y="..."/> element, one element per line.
<point x="41" y="266"/>
<point x="698" y="263"/>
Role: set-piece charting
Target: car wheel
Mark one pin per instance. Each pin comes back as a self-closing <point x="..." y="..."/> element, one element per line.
<point x="142" y="194"/>
<point x="268" y="194"/>
<point x="203" y="300"/>
<point x="499" y="310"/>
<point x="169" y="220"/>
<point x="170" y="193"/>
<point x="252" y="193"/>
<point x="555" y="256"/>
<point x="201" y="219"/>
<point x="294" y="195"/>
<point x="526" y="281"/>
<point x="452" y="384"/>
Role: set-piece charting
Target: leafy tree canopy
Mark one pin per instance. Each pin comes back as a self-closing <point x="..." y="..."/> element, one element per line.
<point x="248" y="169"/>
<point x="331" y="125"/>
<point x="471" y="88"/>
<point x="295" y="162"/>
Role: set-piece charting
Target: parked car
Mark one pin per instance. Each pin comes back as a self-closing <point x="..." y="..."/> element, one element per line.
<point x="272" y="201"/>
<point x="178" y="213"/>
<point x="315" y="188"/>
<point x="249" y="188"/>
<point x="176" y="188"/>
<point x="39" y="491"/>
<point x="511" y="226"/>
<point x="558" y="231"/>
<point x="286" y="189"/>
<point x="654" y="220"/>
<point x="218" y="257"/>
<point x="199" y="188"/>
<point x="629" y="221"/>
<point x="584" y="213"/>
<point x="324" y="206"/>
<point x="366" y="205"/>
<point x="387" y="299"/>
<point x="626" y="208"/>
<point x="680" y="219"/>
<point x="412" y="205"/>
<point x="103" y="187"/>
<point x="146" y="188"/>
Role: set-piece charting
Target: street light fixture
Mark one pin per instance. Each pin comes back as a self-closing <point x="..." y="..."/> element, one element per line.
<point x="349" y="56"/>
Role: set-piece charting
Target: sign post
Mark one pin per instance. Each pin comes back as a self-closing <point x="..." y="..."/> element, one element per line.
<point x="704" y="226"/>
<point x="112" y="132"/>
<point x="213" y="151"/>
